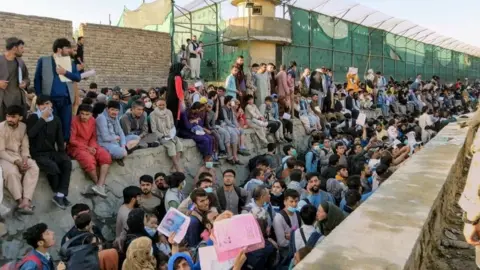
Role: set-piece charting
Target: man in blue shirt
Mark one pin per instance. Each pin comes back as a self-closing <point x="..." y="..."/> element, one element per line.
<point x="48" y="82"/>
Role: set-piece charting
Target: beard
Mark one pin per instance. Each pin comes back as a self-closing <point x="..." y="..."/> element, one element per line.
<point x="315" y="189"/>
<point x="146" y="191"/>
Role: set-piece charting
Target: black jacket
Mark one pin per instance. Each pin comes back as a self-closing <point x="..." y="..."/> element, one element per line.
<point x="44" y="135"/>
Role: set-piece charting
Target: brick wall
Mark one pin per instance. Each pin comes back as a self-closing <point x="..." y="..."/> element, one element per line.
<point x="126" y="57"/>
<point x="38" y="33"/>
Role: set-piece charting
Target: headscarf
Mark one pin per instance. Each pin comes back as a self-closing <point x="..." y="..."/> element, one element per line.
<point x="139" y="255"/>
<point x="334" y="217"/>
<point x="173" y="98"/>
<point x="171" y="261"/>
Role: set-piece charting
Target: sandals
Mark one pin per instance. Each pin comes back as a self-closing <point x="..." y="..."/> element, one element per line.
<point x="26" y="211"/>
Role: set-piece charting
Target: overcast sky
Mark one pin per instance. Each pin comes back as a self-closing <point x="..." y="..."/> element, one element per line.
<point x="459" y="19"/>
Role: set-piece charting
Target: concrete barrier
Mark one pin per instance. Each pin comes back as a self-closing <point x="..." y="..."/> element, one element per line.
<point x="147" y="161"/>
<point x="398" y="226"/>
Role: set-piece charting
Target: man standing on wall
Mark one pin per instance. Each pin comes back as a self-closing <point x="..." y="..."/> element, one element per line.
<point x="194" y="58"/>
<point x="79" y="56"/>
<point x="13" y="77"/>
<point x="56" y="81"/>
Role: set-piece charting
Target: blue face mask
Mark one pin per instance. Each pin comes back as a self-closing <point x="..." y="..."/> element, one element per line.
<point x="209" y="164"/>
<point x="150" y="231"/>
<point x="292" y="209"/>
<point x="208" y="189"/>
<point x="265" y="205"/>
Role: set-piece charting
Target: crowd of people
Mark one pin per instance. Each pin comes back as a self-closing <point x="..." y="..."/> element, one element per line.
<point x="297" y="196"/>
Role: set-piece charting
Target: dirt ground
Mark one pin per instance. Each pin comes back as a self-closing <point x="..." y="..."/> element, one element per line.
<point x="453" y="253"/>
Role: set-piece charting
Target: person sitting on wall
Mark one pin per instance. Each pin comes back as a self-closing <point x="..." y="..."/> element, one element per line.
<point x="111" y="136"/>
<point x="48" y="150"/>
<point x="135" y="122"/>
<point x="84" y="148"/>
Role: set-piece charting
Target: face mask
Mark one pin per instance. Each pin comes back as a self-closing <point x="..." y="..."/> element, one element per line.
<point x="150" y="231"/>
<point x="277" y="194"/>
<point x="208" y="189"/>
<point x="265" y="205"/>
<point x="309" y="101"/>
<point x="316" y="148"/>
<point x="294" y="152"/>
<point x="291" y="209"/>
<point x="209" y="164"/>
<point x="148" y="104"/>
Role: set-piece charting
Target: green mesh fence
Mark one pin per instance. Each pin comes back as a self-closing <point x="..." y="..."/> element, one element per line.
<point x="319" y="40"/>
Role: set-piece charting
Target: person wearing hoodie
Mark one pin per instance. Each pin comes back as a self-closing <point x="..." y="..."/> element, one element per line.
<point x="314" y="194"/>
<point x="111" y="136"/>
<point x="163" y="126"/>
<point x="329" y="216"/>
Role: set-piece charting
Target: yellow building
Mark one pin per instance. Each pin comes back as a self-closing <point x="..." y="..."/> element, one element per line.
<point x="257" y="30"/>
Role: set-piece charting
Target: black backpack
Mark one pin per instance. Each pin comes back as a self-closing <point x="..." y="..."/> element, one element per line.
<point x="80" y="257"/>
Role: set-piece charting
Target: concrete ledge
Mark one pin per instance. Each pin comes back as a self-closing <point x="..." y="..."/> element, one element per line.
<point x="147" y="161"/>
<point x="394" y="228"/>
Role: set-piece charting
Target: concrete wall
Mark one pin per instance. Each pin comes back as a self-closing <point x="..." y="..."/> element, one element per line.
<point x="130" y="58"/>
<point x="148" y="161"/>
<point x="127" y="57"/>
<point x="37" y="32"/>
<point x="399" y="226"/>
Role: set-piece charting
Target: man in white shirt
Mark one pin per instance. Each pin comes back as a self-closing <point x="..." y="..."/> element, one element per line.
<point x="424" y="121"/>
<point x="195" y="58"/>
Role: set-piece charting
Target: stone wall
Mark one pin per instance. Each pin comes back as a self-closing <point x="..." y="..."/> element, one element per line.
<point x="401" y="224"/>
<point x="39" y="33"/>
<point x="130" y="58"/>
<point x="147" y="161"/>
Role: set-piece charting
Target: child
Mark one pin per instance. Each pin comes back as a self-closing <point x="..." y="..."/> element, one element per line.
<point x="151" y="228"/>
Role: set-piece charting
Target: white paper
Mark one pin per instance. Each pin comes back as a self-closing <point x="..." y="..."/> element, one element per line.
<point x="352" y="70"/>
<point x="361" y="119"/>
<point x="317" y="108"/>
<point x="209" y="260"/>
<point x="286" y="116"/>
<point x="88" y="74"/>
<point x="174" y="221"/>
<point x="20" y="75"/>
<point x="66" y="63"/>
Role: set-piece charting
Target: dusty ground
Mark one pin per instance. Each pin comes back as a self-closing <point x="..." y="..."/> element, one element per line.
<point x="452" y="252"/>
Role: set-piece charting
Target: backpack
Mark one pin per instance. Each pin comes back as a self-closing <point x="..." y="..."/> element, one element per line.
<point x="287" y="219"/>
<point x="80" y="257"/>
<point x="29" y="257"/>
<point x="312" y="240"/>
<point x="222" y="200"/>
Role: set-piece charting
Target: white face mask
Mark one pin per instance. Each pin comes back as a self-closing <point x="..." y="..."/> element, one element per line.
<point x="148" y="104"/>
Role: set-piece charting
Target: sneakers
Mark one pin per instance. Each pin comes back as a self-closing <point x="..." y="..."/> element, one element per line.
<point x="153" y="144"/>
<point x="59" y="202"/>
<point x="120" y="162"/>
<point x="66" y="202"/>
<point x="99" y="190"/>
<point x="222" y="155"/>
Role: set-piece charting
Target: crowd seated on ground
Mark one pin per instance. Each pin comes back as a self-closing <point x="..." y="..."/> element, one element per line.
<point x="358" y="134"/>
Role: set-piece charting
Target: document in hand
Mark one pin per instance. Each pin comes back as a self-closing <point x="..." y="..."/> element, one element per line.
<point x="174" y="221"/>
<point x="361" y="119"/>
<point x="88" y="74"/>
<point x="210" y="261"/>
<point x="66" y="63"/>
<point x="233" y="234"/>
